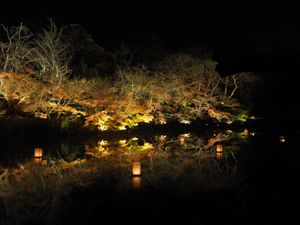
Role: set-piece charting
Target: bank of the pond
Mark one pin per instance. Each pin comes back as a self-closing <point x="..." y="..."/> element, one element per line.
<point x="22" y="127"/>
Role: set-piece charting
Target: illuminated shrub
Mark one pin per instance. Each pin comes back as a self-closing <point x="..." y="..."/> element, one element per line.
<point x="181" y="87"/>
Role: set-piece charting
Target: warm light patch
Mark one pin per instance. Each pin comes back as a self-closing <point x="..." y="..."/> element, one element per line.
<point x="185" y="121"/>
<point x="181" y="140"/>
<point x="147" y="146"/>
<point x="40" y="115"/>
<point x="162" y="121"/>
<point x="162" y="138"/>
<point x="219" y="148"/>
<point x="219" y="155"/>
<point x="122" y="142"/>
<point x="102" y="127"/>
<point x="136" y="181"/>
<point x="136" y="169"/>
<point x="147" y="118"/>
<point x="38" y="153"/>
<point x="102" y="146"/>
<point x="122" y="128"/>
<point x="186" y="135"/>
<point x="282" y="139"/>
<point x="103" y="143"/>
<point x="38" y="160"/>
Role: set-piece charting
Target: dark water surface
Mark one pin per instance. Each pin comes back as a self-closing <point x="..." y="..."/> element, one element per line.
<point x="241" y="176"/>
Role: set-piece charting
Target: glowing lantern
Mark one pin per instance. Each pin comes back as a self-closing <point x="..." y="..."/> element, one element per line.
<point x="136" y="169"/>
<point x="136" y="181"/>
<point x="246" y="131"/>
<point x="38" y="153"/>
<point x="219" y="155"/>
<point x="219" y="148"/>
<point x="281" y="139"/>
<point x="252" y="133"/>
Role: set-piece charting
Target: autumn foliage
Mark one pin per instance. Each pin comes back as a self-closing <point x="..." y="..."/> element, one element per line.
<point x="181" y="87"/>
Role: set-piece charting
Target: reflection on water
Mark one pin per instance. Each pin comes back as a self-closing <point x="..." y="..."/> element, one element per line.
<point x="184" y="163"/>
<point x="136" y="181"/>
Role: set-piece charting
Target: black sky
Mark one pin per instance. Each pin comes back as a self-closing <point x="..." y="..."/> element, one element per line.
<point x="178" y="24"/>
<point x="247" y="33"/>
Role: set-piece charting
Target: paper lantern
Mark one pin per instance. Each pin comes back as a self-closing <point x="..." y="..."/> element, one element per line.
<point x="136" y="169"/>
<point x="246" y="131"/>
<point x="38" y="153"/>
<point x="219" y="148"/>
<point x="281" y="139"/>
<point x="136" y="181"/>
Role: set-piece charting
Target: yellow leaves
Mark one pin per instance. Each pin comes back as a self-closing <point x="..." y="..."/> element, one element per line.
<point x="147" y="146"/>
<point x="102" y="149"/>
<point x="116" y="120"/>
<point x="146" y="118"/>
<point x="40" y="115"/>
<point x="101" y="120"/>
<point x="68" y="109"/>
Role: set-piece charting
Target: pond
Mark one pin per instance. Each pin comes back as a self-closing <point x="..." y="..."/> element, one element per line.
<point x="198" y="176"/>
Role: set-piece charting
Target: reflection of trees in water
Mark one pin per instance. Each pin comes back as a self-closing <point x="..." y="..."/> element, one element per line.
<point x="181" y="164"/>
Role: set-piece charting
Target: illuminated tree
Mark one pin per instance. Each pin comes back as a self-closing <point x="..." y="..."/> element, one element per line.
<point x="51" y="56"/>
<point x="16" y="49"/>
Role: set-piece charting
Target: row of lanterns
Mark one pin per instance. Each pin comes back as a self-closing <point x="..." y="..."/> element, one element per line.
<point x="136" y="165"/>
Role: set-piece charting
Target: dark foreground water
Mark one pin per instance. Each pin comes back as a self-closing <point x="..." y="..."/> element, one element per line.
<point x="185" y="176"/>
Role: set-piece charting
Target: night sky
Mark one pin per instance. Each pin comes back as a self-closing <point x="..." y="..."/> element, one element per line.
<point x="235" y="33"/>
<point x="244" y="40"/>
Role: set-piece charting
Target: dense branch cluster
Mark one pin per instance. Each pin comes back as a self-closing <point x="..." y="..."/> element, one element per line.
<point x="180" y="87"/>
